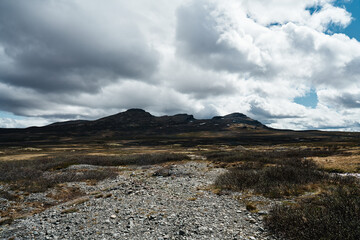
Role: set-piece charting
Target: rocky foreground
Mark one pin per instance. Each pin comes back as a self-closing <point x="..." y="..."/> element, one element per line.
<point x="154" y="202"/>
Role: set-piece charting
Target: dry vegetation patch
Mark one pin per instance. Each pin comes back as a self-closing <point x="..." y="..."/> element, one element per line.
<point x="333" y="215"/>
<point x="286" y="178"/>
<point x="340" y="164"/>
<point x="331" y="211"/>
<point x="50" y="174"/>
<point x="272" y="155"/>
<point x="38" y="175"/>
<point x="21" y="156"/>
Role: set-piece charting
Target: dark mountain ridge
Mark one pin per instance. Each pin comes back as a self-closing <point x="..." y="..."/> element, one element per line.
<point x="138" y="127"/>
<point x="133" y="123"/>
<point x="140" y="120"/>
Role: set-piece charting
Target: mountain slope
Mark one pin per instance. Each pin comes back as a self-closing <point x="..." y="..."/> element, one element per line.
<point x="138" y="127"/>
<point x="138" y="120"/>
<point x="131" y="124"/>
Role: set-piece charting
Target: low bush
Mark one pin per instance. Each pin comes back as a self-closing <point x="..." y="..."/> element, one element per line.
<point x="77" y="176"/>
<point x="44" y="182"/>
<point x="7" y="195"/>
<point x="32" y="185"/>
<point x="286" y="178"/>
<point x="332" y="215"/>
<point x="28" y="175"/>
<point x="271" y="156"/>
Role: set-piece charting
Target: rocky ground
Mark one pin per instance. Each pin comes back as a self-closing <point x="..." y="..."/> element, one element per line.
<point x="155" y="202"/>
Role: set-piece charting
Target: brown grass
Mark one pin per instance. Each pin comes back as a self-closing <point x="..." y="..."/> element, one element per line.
<point x="63" y="193"/>
<point x="340" y="163"/>
<point x="333" y="215"/>
<point x="8" y="196"/>
<point x="78" y="201"/>
<point x="282" y="171"/>
<point x="38" y="175"/>
<point x="69" y="210"/>
<point x="25" y="156"/>
<point x="329" y="212"/>
<point x="251" y="207"/>
<point x="285" y="178"/>
<point x="5" y="220"/>
<point x="271" y="155"/>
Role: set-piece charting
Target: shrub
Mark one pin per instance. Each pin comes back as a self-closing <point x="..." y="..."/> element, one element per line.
<point x="64" y="161"/>
<point x="42" y="183"/>
<point x="332" y="215"/>
<point x="251" y="207"/>
<point x="7" y="195"/>
<point x="28" y="175"/>
<point x="32" y="185"/>
<point x="286" y="178"/>
<point x="272" y="155"/>
<point x="76" y="176"/>
<point x="164" y="172"/>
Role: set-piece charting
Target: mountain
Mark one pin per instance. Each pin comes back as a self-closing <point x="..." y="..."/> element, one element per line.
<point x="142" y="122"/>
<point x="138" y="127"/>
<point x="131" y="124"/>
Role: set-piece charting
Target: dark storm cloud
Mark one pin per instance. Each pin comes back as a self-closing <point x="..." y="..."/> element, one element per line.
<point x="209" y="91"/>
<point x="19" y="102"/>
<point x="345" y="100"/>
<point x="350" y="100"/>
<point x="68" y="116"/>
<point x="266" y="116"/>
<point x="71" y="53"/>
<point x="198" y="40"/>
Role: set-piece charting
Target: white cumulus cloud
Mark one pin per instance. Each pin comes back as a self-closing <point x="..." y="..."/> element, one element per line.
<point x="85" y="59"/>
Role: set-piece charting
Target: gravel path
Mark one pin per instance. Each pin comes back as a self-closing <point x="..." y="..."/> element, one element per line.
<point x="138" y="205"/>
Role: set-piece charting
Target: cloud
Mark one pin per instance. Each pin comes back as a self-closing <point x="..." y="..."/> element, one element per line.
<point x="298" y="12"/>
<point x="321" y="118"/>
<point x="84" y="59"/>
<point x="353" y="68"/>
<point x="223" y="37"/>
<point x="200" y="40"/>
<point x="197" y="82"/>
<point x="266" y="111"/>
<point x="346" y="100"/>
<point x="22" y="123"/>
<point x="69" y="46"/>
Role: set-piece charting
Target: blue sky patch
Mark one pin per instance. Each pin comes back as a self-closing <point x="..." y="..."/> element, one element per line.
<point x="9" y="115"/>
<point x="352" y="6"/>
<point x="309" y="100"/>
<point x="314" y="9"/>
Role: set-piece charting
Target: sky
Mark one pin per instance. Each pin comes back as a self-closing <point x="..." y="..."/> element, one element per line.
<point x="291" y="64"/>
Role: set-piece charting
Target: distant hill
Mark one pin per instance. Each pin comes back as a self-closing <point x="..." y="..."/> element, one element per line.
<point x="140" y="127"/>
<point x="140" y="121"/>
